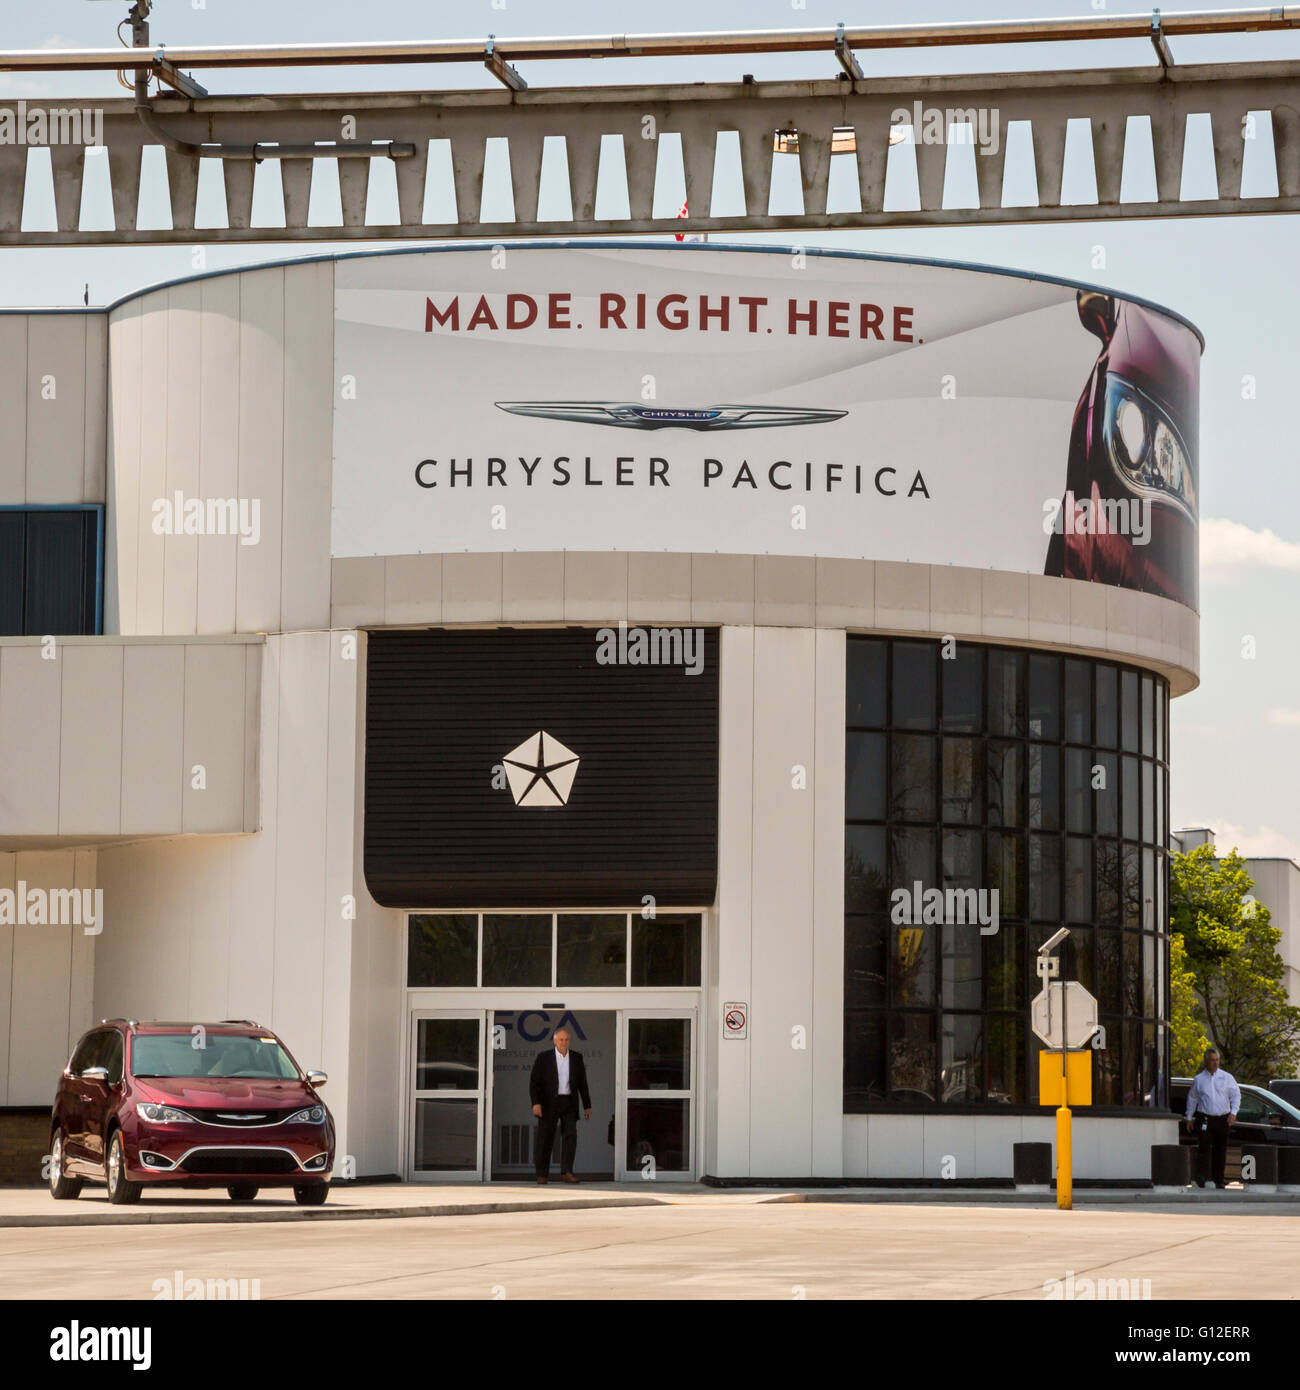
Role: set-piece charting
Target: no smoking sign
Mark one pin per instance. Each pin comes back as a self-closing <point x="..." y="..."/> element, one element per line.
<point x="735" y="1019"/>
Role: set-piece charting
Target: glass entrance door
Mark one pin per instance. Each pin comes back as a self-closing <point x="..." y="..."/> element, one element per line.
<point x="450" y="1085"/>
<point x="656" y="1095"/>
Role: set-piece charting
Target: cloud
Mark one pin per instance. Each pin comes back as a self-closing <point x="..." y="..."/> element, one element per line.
<point x="1261" y="843"/>
<point x="1230" y="548"/>
<point x="19" y="85"/>
<point x="1283" y="718"/>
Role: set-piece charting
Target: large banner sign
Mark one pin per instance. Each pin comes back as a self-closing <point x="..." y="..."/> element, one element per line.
<point x="762" y="402"/>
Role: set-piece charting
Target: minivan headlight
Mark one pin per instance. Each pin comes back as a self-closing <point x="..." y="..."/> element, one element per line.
<point x="313" y="1115"/>
<point x="163" y="1114"/>
<point x="1145" y="448"/>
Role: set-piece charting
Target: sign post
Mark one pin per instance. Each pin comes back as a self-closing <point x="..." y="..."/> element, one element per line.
<point x="1064" y="1016"/>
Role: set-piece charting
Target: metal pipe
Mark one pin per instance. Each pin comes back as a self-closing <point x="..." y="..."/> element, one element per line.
<point x="1084" y="27"/>
<point x="391" y="149"/>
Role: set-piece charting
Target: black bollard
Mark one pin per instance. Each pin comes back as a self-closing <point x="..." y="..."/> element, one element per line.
<point x="1265" y="1169"/>
<point x="1171" y="1168"/>
<point x="1032" y="1166"/>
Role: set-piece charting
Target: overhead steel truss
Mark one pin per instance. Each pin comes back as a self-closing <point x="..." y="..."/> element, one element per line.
<point x="818" y="121"/>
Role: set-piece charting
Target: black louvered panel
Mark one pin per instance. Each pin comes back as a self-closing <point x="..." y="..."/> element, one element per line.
<point x="443" y="708"/>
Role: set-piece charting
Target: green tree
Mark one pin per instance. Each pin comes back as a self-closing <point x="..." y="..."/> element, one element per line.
<point x="1185" y="1018"/>
<point x="1229" y="979"/>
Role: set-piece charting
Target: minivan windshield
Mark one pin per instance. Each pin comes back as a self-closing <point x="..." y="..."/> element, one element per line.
<point x="200" y="1054"/>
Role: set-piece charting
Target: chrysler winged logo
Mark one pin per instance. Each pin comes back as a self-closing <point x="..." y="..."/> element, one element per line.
<point x="540" y="771"/>
<point x="658" y="417"/>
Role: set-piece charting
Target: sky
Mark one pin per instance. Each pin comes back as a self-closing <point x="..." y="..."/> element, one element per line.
<point x="1236" y="739"/>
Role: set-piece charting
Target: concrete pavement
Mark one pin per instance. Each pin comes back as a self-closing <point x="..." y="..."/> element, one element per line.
<point x="699" y="1245"/>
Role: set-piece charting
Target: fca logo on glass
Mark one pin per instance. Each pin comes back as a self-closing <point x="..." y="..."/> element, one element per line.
<point x="521" y="1025"/>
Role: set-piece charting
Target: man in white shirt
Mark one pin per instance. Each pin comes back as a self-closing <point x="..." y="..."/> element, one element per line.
<point x="559" y="1077"/>
<point x="1213" y="1100"/>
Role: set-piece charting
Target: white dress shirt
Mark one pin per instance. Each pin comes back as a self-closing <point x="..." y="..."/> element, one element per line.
<point x="1213" y="1093"/>
<point x="562" y="1070"/>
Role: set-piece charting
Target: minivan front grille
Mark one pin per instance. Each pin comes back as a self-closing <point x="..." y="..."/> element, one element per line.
<point x="241" y="1119"/>
<point x="270" y="1162"/>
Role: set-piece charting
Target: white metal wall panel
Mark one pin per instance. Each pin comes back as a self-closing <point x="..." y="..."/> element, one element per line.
<point x="122" y="528"/>
<point x="342" y="835"/>
<point x="308" y="444"/>
<point x="303" y="925"/>
<point x="780" y="1095"/>
<point x="827" y="1041"/>
<point x="214" y="738"/>
<point x="81" y="984"/>
<point x="184" y="385"/>
<point x="29" y="741"/>
<point x="56" y="408"/>
<point x="727" y="1094"/>
<point x="217" y="409"/>
<point x="208" y="867"/>
<point x="90" y="742"/>
<point x="261" y="444"/>
<point x="153" y="728"/>
<point x="41" y="988"/>
<point x="13" y="408"/>
<point x="95" y="445"/>
<point x="151" y="464"/>
<point x="252" y="893"/>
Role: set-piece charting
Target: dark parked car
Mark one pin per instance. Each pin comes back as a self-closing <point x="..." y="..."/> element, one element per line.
<point x="1289" y="1090"/>
<point x="189" y="1105"/>
<point x="1263" y="1119"/>
<point x="1134" y="439"/>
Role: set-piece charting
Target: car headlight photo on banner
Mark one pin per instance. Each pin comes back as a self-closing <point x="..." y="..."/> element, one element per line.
<point x="784" y="402"/>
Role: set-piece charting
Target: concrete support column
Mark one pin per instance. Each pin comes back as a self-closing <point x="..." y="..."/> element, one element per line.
<point x="776" y="1097"/>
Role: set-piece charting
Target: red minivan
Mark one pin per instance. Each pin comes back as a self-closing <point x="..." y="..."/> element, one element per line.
<point x="189" y="1105"/>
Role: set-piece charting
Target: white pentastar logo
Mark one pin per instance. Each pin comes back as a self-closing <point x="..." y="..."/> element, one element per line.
<point x="541" y="771"/>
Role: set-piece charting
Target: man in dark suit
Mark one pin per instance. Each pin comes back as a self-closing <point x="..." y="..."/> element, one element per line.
<point x="559" y="1078"/>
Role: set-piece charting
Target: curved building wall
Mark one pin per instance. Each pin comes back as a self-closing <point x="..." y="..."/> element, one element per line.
<point x="221" y="389"/>
<point x="233" y="386"/>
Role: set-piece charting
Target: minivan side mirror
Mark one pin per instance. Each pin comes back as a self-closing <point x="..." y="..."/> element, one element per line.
<point x="1097" y="313"/>
<point x="316" y="1079"/>
<point x="95" y="1074"/>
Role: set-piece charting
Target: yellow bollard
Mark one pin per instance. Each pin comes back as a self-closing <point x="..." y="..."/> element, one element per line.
<point x="1064" y="1159"/>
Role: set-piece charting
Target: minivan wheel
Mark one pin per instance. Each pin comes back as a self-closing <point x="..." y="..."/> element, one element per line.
<point x="120" y="1191"/>
<point x="311" y="1194"/>
<point x="62" y="1187"/>
<point x="242" y="1191"/>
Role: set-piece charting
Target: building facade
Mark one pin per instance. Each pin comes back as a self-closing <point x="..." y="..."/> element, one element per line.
<point x="715" y="651"/>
